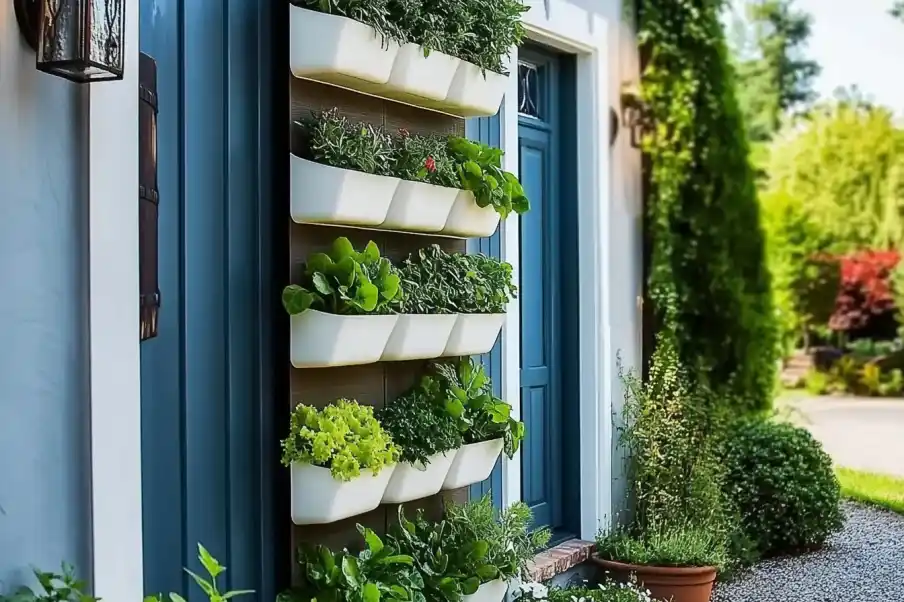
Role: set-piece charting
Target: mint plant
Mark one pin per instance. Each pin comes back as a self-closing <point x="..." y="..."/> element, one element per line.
<point x="344" y="437"/>
<point x="55" y="587"/>
<point x="480" y="171"/>
<point x="345" y="281"/>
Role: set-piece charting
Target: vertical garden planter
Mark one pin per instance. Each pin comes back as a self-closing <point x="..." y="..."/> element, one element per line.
<point x="475" y="94"/>
<point x="419" y="207"/>
<point x="491" y="591"/>
<point x="320" y="340"/>
<point x="429" y="77"/>
<point x="318" y="498"/>
<point x="334" y="49"/>
<point x="468" y="220"/>
<point x="410" y="482"/>
<point x="322" y="194"/>
<point x="474" y="334"/>
<point x="473" y="463"/>
<point x="419" y="336"/>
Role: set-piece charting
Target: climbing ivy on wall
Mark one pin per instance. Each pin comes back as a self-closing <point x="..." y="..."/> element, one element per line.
<point x="708" y="279"/>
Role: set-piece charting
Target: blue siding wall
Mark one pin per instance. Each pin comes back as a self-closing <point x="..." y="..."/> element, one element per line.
<point x="207" y="397"/>
<point x="44" y="480"/>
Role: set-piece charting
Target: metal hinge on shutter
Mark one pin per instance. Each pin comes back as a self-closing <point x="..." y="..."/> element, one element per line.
<point x="148" y="197"/>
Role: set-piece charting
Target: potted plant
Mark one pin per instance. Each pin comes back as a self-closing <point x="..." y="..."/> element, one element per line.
<point x="510" y="543"/>
<point x="677" y="536"/>
<point x="341" y="174"/>
<point x="341" y="313"/>
<point x="484" y="420"/>
<point x="377" y="573"/>
<point x="427" y="438"/>
<point x="341" y="461"/>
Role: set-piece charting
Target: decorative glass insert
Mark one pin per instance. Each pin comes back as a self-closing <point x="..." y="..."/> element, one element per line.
<point x="528" y="90"/>
<point x="82" y="40"/>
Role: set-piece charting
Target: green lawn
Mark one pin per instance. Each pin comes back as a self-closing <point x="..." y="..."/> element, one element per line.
<point x="871" y="488"/>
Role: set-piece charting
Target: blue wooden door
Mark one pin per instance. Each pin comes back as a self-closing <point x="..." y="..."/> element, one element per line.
<point x="541" y="302"/>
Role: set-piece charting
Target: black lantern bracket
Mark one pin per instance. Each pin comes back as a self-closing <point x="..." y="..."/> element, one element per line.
<point x="28" y="14"/>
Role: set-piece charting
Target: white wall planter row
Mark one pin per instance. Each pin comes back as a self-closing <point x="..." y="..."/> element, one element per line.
<point x="340" y="51"/>
<point x="491" y="591"/>
<point x="473" y="463"/>
<point x="413" y="482"/>
<point x="322" y="194"/>
<point x="318" y="498"/>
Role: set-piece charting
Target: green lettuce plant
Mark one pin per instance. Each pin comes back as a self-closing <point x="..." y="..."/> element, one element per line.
<point x="419" y="424"/>
<point x="345" y="281"/>
<point x="379" y="573"/>
<point x="344" y="437"/>
<point x="481" y="416"/>
<point x="480" y="171"/>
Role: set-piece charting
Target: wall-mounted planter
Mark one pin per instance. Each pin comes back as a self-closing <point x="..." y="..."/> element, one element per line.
<point x="419" y="337"/>
<point x="467" y="220"/>
<point x="473" y="463"/>
<point x="426" y="76"/>
<point x="411" y="482"/>
<point x="474" y="334"/>
<point x="419" y="207"/>
<point x="321" y="340"/>
<point x="337" y="50"/>
<point x="318" y="498"/>
<point x="491" y="591"/>
<point x="322" y="194"/>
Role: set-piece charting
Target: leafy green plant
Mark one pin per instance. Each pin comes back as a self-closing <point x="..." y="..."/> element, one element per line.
<point x="55" y="587"/>
<point x="469" y="399"/>
<point x="451" y="569"/>
<point x="511" y="543"/>
<point x="419" y="423"/>
<point x="817" y="383"/>
<point x="435" y="281"/>
<point x="893" y="384"/>
<point x="345" y="281"/>
<point x="208" y="586"/>
<point x="782" y="484"/>
<point x="480" y="171"/>
<point x="331" y="139"/>
<point x="424" y="159"/>
<point x="604" y="592"/>
<point x="378" y="573"/>
<point x="673" y="545"/>
<point x="496" y="29"/>
<point x="344" y="437"/>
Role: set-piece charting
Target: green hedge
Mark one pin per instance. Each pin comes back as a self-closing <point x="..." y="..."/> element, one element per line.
<point x="708" y="266"/>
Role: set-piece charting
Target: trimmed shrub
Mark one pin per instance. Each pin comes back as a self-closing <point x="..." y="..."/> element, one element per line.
<point x="782" y="485"/>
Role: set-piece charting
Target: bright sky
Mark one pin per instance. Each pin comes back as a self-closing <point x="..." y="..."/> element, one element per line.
<point x="858" y="42"/>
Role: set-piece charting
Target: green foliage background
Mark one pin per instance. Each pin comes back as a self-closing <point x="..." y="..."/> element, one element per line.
<point x="708" y="277"/>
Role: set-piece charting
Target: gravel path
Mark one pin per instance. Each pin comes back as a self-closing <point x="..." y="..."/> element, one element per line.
<point x="862" y="563"/>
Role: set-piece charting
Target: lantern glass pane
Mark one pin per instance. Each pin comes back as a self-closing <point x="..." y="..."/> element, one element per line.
<point x="105" y="37"/>
<point x="62" y="23"/>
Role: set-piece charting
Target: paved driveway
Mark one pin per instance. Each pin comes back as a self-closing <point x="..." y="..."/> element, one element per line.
<point x="864" y="434"/>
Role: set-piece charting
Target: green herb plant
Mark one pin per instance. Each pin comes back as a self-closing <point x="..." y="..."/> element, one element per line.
<point x="214" y="569"/>
<point x="345" y="281"/>
<point x="55" y="587"/>
<point x="379" y="573"/>
<point x="480" y="171"/>
<point x="344" y="437"/>
<point x="469" y="399"/>
<point x="423" y="159"/>
<point x="419" y="424"/>
<point x="331" y="139"/>
<point x="379" y="14"/>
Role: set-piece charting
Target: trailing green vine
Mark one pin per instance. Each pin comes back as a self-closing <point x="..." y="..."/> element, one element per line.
<point x="708" y="279"/>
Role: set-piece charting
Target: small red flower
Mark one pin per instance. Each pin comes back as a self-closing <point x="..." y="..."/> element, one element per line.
<point x="430" y="164"/>
<point x="403" y="132"/>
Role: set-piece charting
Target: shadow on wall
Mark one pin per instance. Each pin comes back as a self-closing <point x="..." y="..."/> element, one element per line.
<point x="44" y="466"/>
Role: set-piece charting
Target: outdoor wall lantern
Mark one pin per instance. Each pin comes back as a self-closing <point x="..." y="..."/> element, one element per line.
<point x="634" y="114"/>
<point x="80" y="40"/>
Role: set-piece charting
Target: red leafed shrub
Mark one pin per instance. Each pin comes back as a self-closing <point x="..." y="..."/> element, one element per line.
<point x="864" y="292"/>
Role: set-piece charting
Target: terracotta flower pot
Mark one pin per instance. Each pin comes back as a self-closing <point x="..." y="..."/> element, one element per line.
<point x="685" y="584"/>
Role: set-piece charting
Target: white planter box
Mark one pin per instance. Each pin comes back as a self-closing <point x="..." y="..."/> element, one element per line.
<point x="473" y="463"/>
<point x="336" y="49"/>
<point x="419" y="207"/>
<point x="473" y="94"/>
<point x="410" y="482"/>
<point x="318" y="498"/>
<point x="419" y="337"/>
<point x="491" y="591"/>
<point x="473" y="334"/>
<point x="468" y="220"/>
<point x="322" y="194"/>
<point x="429" y="77"/>
<point x="320" y="340"/>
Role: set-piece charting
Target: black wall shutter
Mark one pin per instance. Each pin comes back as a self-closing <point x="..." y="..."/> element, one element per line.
<point x="148" y="197"/>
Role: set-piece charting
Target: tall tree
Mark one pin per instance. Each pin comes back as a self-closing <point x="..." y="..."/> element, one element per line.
<point x="778" y="78"/>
